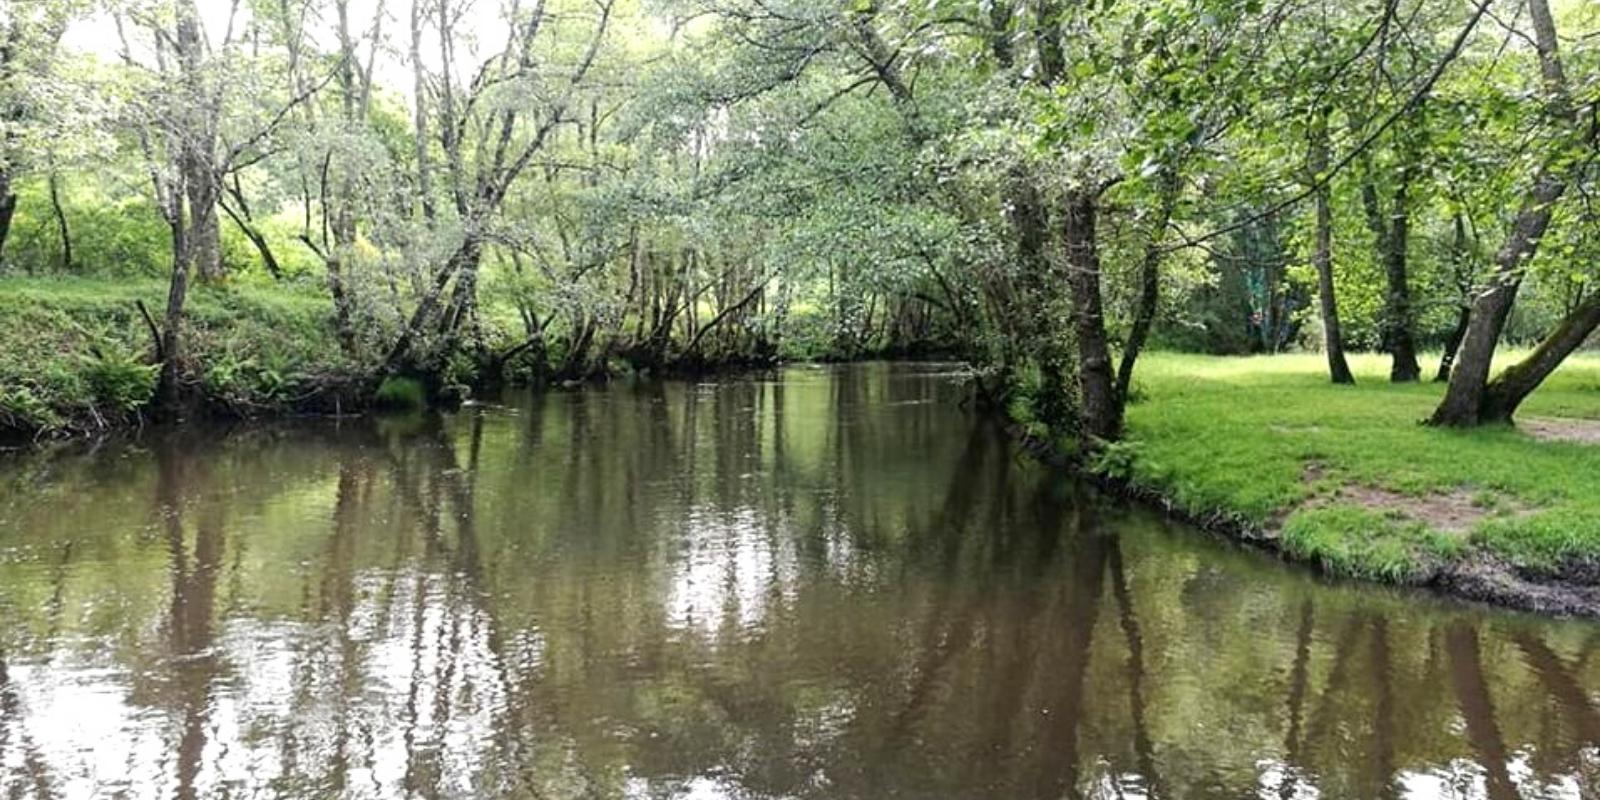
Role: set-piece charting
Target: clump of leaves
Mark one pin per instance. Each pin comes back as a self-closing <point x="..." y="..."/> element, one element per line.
<point x="119" y="380"/>
<point x="1115" y="460"/>
<point x="400" y="394"/>
<point x="21" y="408"/>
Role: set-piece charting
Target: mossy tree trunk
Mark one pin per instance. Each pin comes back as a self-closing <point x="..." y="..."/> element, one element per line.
<point x="1469" y="375"/>
<point x="1505" y="393"/>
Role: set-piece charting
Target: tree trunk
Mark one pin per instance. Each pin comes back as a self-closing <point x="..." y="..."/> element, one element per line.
<point x="1469" y="375"/>
<point x="461" y="315"/>
<point x="1402" y="341"/>
<point x="1101" y="413"/>
<point x="259" y="240"/>
<point x="1453" y="343"/>
<point x="1322" y="259"/>
<point x="420" y="97"/>
<point x="1144" y="314"/>
<point x="1464" y="400"/>
<point x="1461" y="257"/>
<point x="205" y="235"/>
<point x="1030" y="307"/>
<point x="341" y="304"/>
<point x="1507" y="391"/>
<point x="169" y="392"/>
<point x="1392" y="231"/>
<point x="62" y="229"/>
<point x="8" y="209"/>
<point x="400" y="352"/>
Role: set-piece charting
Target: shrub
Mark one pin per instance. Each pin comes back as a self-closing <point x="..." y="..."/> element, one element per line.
<point x="20" y="408"/>
<point x="400" y="394"/>
<point x="118" y="381"/>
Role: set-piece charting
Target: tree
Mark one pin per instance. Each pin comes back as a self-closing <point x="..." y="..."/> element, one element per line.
<point x="187" y="155"/>
<point x="509" y="137"/>
<point x="29" y="35"/>
<point x="1471" y="398"/>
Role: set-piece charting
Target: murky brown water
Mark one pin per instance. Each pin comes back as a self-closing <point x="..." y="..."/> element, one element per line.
<point x="836" y="584"/>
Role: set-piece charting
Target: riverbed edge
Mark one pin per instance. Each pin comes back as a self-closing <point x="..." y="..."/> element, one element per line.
<point x="1478" y="577"/>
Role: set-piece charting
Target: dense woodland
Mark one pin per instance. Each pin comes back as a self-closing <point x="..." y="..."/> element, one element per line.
<point x="487" y="190"/>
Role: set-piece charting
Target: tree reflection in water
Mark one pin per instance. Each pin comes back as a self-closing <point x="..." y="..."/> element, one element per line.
<point x="825" y="583"/>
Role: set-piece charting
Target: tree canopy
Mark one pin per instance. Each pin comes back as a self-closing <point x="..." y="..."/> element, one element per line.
<point x="489" y="189"/>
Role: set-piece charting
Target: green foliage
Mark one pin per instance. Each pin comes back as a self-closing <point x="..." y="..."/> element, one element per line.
<point x="118" y="380"/>
<point x="22" y="409"/>
<point x="72" y="350"/>
<point x="401" y="394"/>
<point x="1360" y="542"/>
<point x="1115" y="460"/>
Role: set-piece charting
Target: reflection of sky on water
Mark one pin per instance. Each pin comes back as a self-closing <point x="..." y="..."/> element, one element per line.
<point x="728" y="566"/>
<point x="426" y="687"/>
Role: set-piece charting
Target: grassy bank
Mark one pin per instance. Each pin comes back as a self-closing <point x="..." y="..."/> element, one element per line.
<point x="1346" y="477"/>
<point x="74" y="354"/>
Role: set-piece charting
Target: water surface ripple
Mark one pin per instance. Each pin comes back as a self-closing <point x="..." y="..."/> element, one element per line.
<point x="828" y="583"/>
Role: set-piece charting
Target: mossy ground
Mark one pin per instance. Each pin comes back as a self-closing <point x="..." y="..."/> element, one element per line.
<point x="1270" y="441"/>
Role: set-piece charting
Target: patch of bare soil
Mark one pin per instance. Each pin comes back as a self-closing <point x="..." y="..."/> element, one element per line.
<point x="1562" y="429"/>
<point x="1454" y="512"/>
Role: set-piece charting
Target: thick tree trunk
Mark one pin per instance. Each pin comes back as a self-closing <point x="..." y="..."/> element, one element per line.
<point x="1322" y="259"/>
<point x="205" y="234"/>
<point x="1507" y="391"/>
<point x="1402" y="341"/>
<point x="1101" y="412"/>
<point x="461" y="314"/>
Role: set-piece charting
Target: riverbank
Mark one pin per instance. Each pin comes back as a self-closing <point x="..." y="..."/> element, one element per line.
<point x="77" y="356"/>
<point x="1266" y="450"/>
<point x="75" y="353"/>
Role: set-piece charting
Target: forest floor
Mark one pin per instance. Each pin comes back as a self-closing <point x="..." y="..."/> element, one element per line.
<point x="1347" y="477"/>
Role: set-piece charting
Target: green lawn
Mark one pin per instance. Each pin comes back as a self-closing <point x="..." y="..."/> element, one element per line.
<point x="1269" y="440"/>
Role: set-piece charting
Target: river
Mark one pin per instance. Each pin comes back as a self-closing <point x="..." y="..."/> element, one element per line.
<point x="822" y="583"/>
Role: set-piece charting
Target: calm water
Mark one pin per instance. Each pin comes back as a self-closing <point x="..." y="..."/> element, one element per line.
<point x="834" y="583"/>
